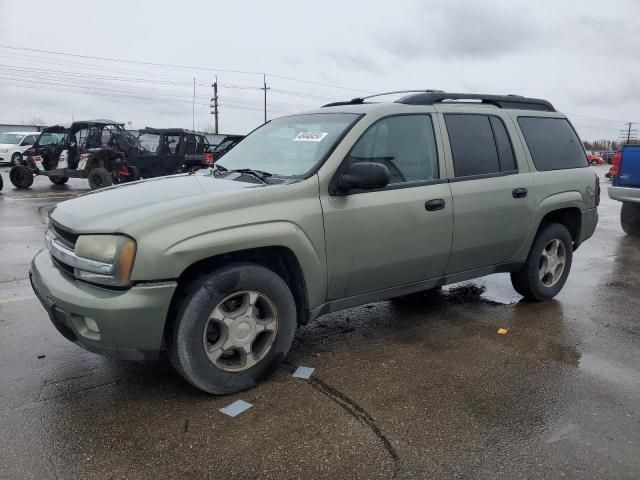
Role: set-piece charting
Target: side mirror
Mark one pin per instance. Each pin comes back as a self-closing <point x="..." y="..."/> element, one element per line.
<point x="365" y="176"/>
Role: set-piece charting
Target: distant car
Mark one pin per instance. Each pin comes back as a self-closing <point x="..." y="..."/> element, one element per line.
<point x="595" y="160"/>
<point x="13" y="145"/>
<point x="225" y="145"/>
<point x="608" y="157"/>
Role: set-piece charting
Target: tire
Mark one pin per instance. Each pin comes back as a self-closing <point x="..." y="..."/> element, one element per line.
<point x="630" y="218"/>
<point x="16" y="159"/>
<point x="100" y="178"/>
<point x="58" y="180"/>
<point x="528" y="282"/>
<point x="21" y="176"/>
<point x="593" y="162"/>
<point x="196" y="326"/>
<point x="1" y="183"/>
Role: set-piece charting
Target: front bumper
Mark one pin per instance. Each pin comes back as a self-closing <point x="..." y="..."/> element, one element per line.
<point x="625" y="194"/>
<point x="130" y="323"/>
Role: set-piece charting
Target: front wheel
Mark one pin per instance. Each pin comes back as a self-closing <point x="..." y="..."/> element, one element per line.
<point x="16" y="159"/>
<point x="547" y="266"/>
<point x="630" y="218"/>
<point x="233" y="328"/>
<point x="21" y="176"/>
<point x="100" y="178"/>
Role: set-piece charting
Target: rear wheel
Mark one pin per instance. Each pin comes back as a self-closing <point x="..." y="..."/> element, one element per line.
<point x="16" y="159"/>
<point x="100" y="178"/>
<point x="630" y="218"/>
<point x="58" y="180"/>
<point x="593" y="162"/>
<point x="21" y="176"/>
<point x="547" y="266"/>
<point x="233" y="329"/>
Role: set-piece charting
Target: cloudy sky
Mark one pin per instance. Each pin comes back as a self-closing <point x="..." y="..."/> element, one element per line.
<point x="136" y="61"/>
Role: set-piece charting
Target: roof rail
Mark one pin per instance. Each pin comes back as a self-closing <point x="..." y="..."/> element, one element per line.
<point x="516" y="102"/>
<point x="361" y="100"/>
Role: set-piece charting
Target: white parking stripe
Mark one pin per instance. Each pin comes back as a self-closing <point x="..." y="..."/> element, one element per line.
<point x="17" y="299"/>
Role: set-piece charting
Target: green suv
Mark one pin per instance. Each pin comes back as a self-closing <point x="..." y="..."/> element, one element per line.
<point x="312" y="213"/>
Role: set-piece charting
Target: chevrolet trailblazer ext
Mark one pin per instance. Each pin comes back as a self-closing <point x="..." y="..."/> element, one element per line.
<point x="352" y="203"/>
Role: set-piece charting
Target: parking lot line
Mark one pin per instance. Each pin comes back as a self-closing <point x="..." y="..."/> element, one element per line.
<point x="17" y="299"/>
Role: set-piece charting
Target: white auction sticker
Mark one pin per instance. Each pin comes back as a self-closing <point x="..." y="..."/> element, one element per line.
<point x="310" y="136"/>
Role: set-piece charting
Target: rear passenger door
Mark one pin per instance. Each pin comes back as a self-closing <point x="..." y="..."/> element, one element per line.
<point x="491" y="200"/>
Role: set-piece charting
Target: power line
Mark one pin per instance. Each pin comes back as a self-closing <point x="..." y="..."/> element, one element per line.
<point x="176" y="66"/>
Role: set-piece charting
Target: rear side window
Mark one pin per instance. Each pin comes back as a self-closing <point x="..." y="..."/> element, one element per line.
<point x="480" y="145"/>
<point x="553" y="143"/>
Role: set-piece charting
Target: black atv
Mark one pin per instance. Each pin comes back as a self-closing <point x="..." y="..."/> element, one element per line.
<point x="97" y="150"/>
<point x="168" y="151"/>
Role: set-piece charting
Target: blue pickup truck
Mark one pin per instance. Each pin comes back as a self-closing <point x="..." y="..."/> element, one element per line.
<point x="625" y="186"/>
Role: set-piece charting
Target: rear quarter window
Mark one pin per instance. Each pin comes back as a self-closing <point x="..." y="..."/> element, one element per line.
<point x="553" y="143"/>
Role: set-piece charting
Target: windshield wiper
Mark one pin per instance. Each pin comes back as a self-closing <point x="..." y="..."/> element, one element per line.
<point x="259" y="174"/>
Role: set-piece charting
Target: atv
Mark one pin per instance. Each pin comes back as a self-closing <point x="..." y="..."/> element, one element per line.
<point x="97" y="150"/>
<point x="168" y="151"/>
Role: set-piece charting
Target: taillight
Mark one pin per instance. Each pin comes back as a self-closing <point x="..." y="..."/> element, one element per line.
<point x="615" y="164"/>
<point x="208" y="159"/>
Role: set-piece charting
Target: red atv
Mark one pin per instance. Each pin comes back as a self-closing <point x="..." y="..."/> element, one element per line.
<point x="97" y="150"/>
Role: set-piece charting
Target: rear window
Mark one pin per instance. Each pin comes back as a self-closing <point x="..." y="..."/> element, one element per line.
<point x="553" y="143"/>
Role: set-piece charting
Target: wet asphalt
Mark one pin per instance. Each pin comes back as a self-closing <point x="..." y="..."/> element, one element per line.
<point x="425" y="388"/>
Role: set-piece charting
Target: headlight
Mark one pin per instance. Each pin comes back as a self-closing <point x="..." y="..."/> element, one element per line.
<point x="105" y="259"/>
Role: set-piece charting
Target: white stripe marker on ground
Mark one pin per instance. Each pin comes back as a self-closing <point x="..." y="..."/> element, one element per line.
<point x="17" y="299"/>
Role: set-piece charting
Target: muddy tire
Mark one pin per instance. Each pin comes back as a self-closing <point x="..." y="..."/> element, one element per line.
<point x="630" y="218"/>
<point x="21" y="176"/>
<point x="100" y="178"/>
<point x="233" y="328"/>
<point x="58" y="180"/>
<point x="16" y="159"/>
<point x="547" y="266"/>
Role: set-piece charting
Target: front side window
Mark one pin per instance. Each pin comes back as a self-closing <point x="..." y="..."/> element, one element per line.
<point x="289" y="146"/>
<point x="553" y="143"/>
<point x="10" y="138"/>
<point x="405" y="144"/>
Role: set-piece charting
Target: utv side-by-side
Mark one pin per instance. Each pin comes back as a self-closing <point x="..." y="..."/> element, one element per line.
<point x="171" y="150"/>
<point x="98" y="150"/>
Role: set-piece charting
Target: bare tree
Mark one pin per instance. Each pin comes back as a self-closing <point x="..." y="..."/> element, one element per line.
<point x="35" y="121"/>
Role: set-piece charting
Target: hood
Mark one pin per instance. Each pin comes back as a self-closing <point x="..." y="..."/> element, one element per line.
<point x="157" y="200"/>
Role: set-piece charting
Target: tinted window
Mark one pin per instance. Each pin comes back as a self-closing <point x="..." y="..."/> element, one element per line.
<point x="505" y="150"/>
<point x="405" y="144"/>
<point x="553" y="143"/>
<point x="472" y="144"/>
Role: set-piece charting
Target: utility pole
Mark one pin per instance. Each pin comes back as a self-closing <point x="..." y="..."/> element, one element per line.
<point x="214" y="105"/>
<point x="265" y="88"/>
<point x="629" y="133"/>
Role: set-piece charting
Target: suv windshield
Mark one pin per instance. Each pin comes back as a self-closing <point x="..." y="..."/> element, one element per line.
<point x="10" y="138"/>
<point x="289" y="146"/>
<point x="149" y="141"/>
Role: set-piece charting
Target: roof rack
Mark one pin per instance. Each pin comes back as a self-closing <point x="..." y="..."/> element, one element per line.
<point x="431" y="97"/>
<point x="515" y="102"/>
<point x="361" y="100"/>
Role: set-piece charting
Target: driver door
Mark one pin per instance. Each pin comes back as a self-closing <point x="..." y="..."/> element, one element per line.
<point x="380" y="239"/>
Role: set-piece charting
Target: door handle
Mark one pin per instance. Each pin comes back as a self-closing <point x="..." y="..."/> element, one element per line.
<point x="435" y="204"/>
<point x="519" y="192"/>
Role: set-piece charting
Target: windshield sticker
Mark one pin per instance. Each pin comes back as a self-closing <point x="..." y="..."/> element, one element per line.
<point x="310" y="136"/>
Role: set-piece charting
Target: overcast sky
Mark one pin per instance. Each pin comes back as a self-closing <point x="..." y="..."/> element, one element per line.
<point x="582" y="56"/>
